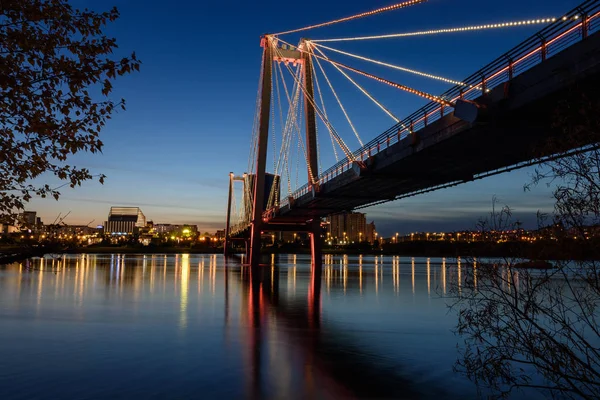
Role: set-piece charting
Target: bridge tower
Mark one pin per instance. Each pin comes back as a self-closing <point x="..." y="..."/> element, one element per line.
<point x="258" y="224"/>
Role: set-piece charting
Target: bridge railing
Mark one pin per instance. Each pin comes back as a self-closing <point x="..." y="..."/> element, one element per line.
<point x="565" y="31"/>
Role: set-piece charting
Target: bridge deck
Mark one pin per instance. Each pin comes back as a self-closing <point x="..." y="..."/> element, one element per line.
<point x="450" y="151"/>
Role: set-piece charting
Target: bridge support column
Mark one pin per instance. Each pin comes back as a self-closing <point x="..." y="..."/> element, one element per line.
<point x="310" y="119"/>
<point x="228" y="221"/>
<point x="316" y="246"/>
<point x="261" y="159"/>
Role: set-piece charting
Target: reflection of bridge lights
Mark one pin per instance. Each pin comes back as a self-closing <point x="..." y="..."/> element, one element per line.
<point x="444" y="274"/>
<point x="413" y="274"/>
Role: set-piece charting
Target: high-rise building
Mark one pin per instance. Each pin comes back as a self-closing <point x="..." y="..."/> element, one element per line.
<point x="347" y="227"/>
<point x="29" y="220"/>
<point x="371" y="232"/>
<point x="124" y="220"/>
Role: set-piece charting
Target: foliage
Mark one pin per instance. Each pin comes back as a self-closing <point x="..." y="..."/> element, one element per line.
<point x="527" y="328"/>
<point x="54" y="60"/>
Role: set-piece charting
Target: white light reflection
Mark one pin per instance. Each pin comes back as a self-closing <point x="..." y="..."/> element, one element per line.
<point x="459" y="276"/>
<point x="185" y="275"/>
<point x="429" y="277"/>
<point x="413" y="274"/>
<point x="444" y="274"/>
<point x="360" y="268"/>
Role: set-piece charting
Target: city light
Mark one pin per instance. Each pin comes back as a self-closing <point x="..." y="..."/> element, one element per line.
<point x="356" y="16"/>
<point x="397" y="67"/>
<point x="444" y="30"/>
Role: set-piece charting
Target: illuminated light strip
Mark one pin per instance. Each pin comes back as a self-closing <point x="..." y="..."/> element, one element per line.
<point x="339" y="140"/>
<point x="357" y="16"/>
<point x="293" y="106"/>
<point x="436" y="110"/>
<point x="337" y="159"/>
<point x="412" y="71"/>
<point x="382" y="80"/>
<point x="388" y="112"/>
<point x="519" y="60"/>
<point x="340" y="103"/>
<point x="548" y="43"/>
<point x="396" y="85"/>
<point x="290" y="120"/>
<point x="445" y="30"/>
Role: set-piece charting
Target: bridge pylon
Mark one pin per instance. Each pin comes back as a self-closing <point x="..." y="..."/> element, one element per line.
<point x="258" y="221"/>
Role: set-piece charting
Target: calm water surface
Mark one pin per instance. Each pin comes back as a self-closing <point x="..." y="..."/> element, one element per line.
<point x="196" y="326"/>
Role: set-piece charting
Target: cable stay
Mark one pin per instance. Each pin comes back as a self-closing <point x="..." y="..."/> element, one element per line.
<point x="364" y="91"/>
<point x="298" y="84"/>
<point x="292" y="121"/>
<point x="443" y="30"/>
<point x="339" y="103"/>
<point x="405" y="88"/>
<point x="356" y="16"/>
<point x="325" y="112"/>
<point x="319" y="112"/>
<point x="397" y="67"/>
<point x="394" y="84"/>
<point x="254" y="138"/>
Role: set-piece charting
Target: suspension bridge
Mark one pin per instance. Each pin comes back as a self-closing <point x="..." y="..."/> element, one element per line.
<point x="496" y="120"/>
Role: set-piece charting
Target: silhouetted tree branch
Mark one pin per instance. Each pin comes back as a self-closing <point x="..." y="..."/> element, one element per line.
<point x="540" y="329"/>
<point x="54" y="60"/>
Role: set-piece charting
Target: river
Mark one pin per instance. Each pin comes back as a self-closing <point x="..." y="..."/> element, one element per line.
<point x="196" y="326"/>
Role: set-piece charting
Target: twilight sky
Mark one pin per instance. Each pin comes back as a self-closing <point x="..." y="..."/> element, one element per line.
<point x="190" y="108"/>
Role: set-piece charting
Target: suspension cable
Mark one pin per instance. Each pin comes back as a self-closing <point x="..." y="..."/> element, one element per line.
<point x="357" y="16"/>
<point x="397" y="67"/>
<point x="405" y="88"/>
<point x="254" y="139"/>
<point x="292" y="116"/>
<point x="393" y="84"/>
<point x="340" y="103"/>
<point x="293" y="122"/>
<point x="364" y="91"/>
<point x="318" y="111"/>
<point x="273" y="129"/>
<point x="324" y="111"/>
<point x="444" y="30"/>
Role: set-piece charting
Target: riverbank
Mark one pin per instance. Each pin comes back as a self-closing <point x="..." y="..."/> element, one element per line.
<point x="549" y="250"/>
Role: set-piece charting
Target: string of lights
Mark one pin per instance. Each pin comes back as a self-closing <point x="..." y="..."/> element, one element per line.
<point x="364" y="91"/>
<point x="286" y="127"/>
<point x="324" y="111"/>
<point x="390" y="83"/>
<point x="318" y="111"/>
<point x="356" y="16"/>
<point x="445" y="30"/>
<point x="340" y="103"/>
<point x="291" y="122"/>
<point x="397" y="67"/>
<point x="382" y="80"/>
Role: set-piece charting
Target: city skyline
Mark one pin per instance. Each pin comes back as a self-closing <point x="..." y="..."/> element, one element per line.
<point x="189" y="113"/>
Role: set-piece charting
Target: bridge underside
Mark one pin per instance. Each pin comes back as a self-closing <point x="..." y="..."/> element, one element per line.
<point x="515" y="128"/>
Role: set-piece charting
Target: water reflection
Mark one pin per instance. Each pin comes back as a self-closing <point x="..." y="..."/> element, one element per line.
<point x="192" y="323"/>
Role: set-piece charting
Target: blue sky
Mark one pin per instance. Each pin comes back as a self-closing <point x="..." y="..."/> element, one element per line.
<point x="190" y="108"/>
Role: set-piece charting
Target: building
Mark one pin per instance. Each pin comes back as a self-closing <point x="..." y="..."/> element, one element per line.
<point x="177" y="230"/>
<point x="124" y="221"/>
<point x="347" y="228"/>
<point x="371" y="233"/>
<point x="8" y="228"/>
<point x="28" y="220"/>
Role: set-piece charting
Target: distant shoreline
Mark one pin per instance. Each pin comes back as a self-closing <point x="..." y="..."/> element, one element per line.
<point x="535" y="251"/>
